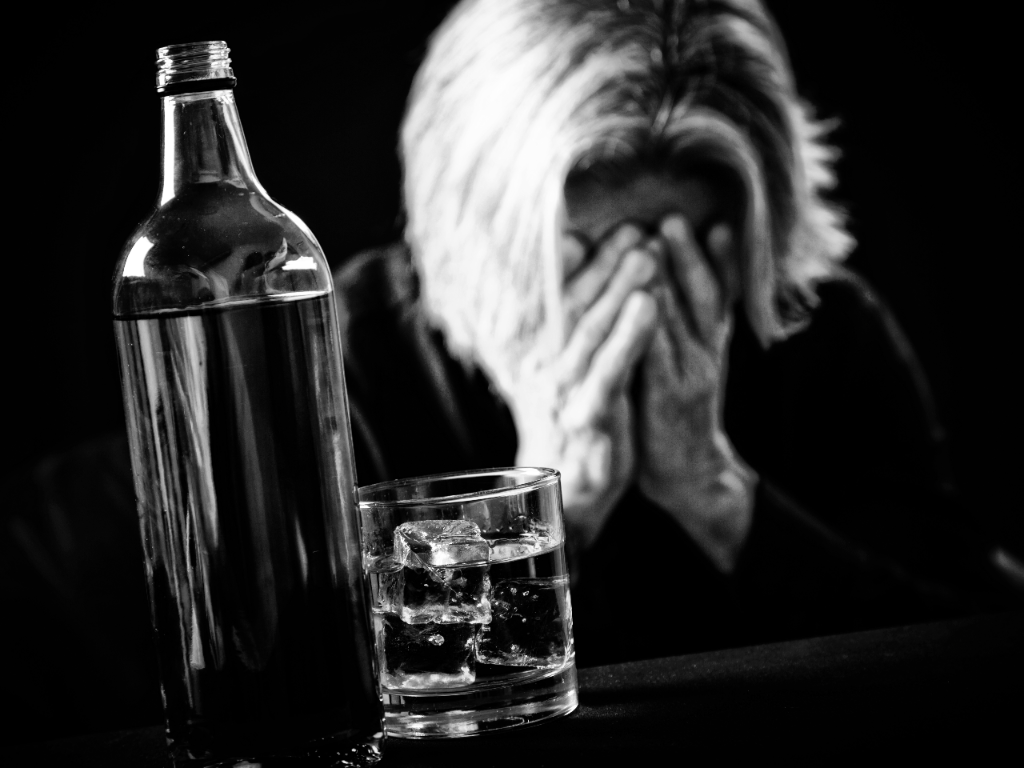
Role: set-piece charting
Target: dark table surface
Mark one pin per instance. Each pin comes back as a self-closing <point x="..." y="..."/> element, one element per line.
<point x="923" y="689"/>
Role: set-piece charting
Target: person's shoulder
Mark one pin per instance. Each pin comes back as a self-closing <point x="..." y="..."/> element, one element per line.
<point x="845" y="294"/>
<point x="376" y="280"/>
<point x="851" y="308"/>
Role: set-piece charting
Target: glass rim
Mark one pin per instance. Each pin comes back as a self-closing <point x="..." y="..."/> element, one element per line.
<point x="547" y="478"/>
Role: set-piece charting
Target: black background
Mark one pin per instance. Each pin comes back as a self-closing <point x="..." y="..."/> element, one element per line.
<point x="930" y="161"/>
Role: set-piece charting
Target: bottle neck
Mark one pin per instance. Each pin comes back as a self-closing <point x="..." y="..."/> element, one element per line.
<point x="203" y="143"/>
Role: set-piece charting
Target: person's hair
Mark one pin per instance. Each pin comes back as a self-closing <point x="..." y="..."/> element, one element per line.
<point x="516" y="96"/>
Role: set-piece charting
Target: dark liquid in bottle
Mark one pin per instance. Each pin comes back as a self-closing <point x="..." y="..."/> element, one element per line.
<point x="244" y="475"/>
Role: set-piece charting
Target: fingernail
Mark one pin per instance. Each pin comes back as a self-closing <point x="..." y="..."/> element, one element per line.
<point x="720" y="240"/>
<point x="648" y="309"/>
<point x="674" y="226"/>
<point x="658" y="248"/>
<point x="644" y="307"/>
<point x="575" y="242"/>
<point x="642" y="265"/>
<point x="627" y="236"/>
<point x="574" y="252"/>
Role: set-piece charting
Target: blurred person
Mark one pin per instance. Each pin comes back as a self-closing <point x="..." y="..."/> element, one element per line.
<point x="619" y="262"/>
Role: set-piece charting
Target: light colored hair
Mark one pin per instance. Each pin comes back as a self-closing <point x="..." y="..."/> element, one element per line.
<point x="514" y="96"/>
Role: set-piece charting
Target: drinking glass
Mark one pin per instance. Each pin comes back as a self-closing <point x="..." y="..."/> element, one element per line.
<point x="470" y="600"/>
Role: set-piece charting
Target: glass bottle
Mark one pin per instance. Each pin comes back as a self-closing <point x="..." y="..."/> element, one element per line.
<point x="238" y="424"/>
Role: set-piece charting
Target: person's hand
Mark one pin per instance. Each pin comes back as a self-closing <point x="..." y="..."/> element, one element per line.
<point x="573" y="411"/>
<point x="686" y="463"/>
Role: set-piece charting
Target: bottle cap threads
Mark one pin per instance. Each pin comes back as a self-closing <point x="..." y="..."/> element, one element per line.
<point x="191" y="67"/>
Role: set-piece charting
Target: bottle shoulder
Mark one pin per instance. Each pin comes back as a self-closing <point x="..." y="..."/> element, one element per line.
<point x="214" y="242"/>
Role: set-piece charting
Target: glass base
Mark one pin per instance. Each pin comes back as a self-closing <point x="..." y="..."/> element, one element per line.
<point x="468" y="713"/>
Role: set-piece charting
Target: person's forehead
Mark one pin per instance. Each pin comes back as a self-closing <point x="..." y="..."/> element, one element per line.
<point x="594" y="208"/>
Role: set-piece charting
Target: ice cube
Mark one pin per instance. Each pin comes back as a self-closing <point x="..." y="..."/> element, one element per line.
<point x="444" y="578"/>
<point x="536" y="538"/>
<point x="425" y="656"/>
<point x="519" y="547"/>
<point x="439" y="542"/>
<point x="445" y="595"/>
<point x="530" y="620"/>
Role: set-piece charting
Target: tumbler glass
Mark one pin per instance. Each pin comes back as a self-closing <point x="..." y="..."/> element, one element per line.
<point x="470" y="600"/>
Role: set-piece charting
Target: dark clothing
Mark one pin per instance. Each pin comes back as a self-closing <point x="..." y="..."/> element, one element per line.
<point x="855" y="519"/>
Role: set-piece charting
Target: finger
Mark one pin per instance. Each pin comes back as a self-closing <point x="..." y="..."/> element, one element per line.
<point x="695" y="279"/>
<point x="678" y="335"/>
<point x="586" y="285"/>
<point x="674" y="350"/>
<point x="673" y="324"/>
<point x="636" y="271"/>
<point x="721" y="248"/>
<point x="574" y="253"/>
<point x="660" y="363"/>
<point x="614" y="363"/>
